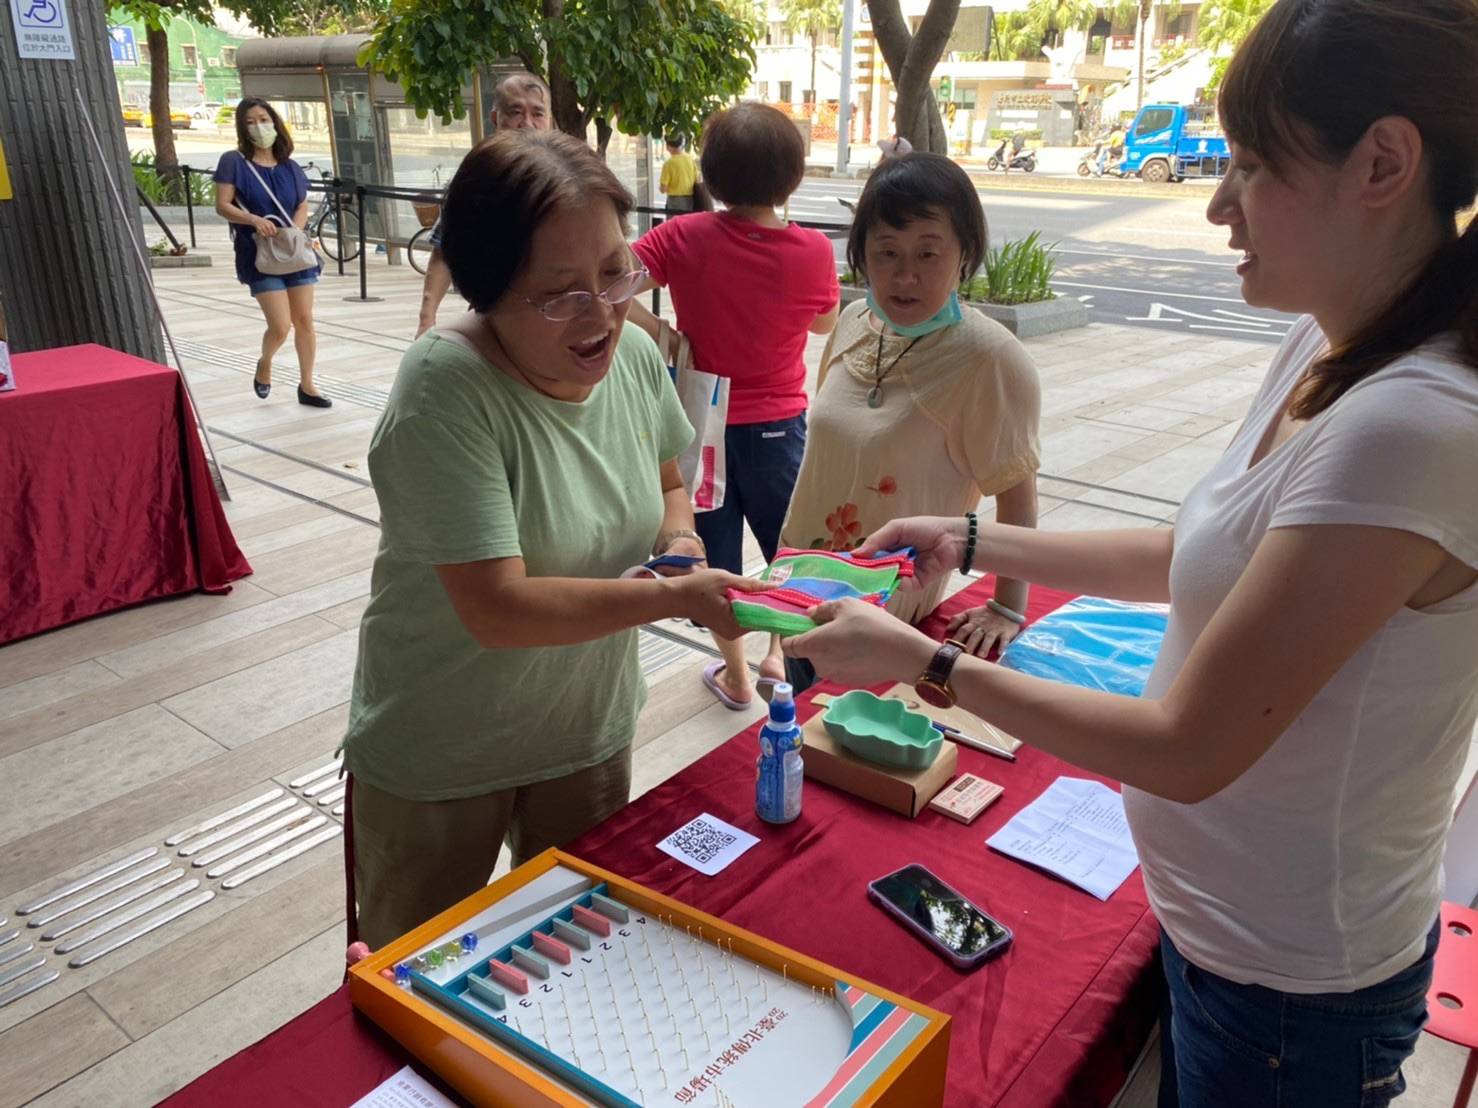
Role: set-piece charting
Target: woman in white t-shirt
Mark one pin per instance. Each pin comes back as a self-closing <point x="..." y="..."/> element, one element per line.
<point x="1289" y="772"/>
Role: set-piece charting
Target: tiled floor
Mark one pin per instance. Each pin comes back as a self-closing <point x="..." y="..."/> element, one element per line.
<point x="116" y="732"/>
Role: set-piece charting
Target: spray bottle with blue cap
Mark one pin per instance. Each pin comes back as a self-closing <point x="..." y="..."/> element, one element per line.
<point x="779" y="771"/>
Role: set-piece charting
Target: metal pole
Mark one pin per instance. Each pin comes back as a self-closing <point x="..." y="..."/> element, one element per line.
<point x="844" y="103"/>
<point x="339" y="222"/>
<point x="189" y="206"/>
<point x="364" y="297"/>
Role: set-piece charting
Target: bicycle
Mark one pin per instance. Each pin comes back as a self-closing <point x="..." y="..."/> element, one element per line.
<point x="336" y="232"/>
<point x="428" y="211"/>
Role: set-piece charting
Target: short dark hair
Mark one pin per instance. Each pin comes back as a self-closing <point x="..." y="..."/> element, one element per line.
<point x="752" y="154"/>
<point x="920" y="186"/>
<point x="501" y="193"/>
<point x="282" y="149"/>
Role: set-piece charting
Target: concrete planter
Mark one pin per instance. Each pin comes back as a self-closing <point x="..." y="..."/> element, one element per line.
<point x="1025" y="321"/>
<point x="183" y="261"/>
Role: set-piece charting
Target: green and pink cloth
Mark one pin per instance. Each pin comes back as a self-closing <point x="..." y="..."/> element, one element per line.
<point x="801" y="579"/>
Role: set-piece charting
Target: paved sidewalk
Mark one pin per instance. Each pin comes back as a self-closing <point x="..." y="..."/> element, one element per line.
<point x="217" y="698"/>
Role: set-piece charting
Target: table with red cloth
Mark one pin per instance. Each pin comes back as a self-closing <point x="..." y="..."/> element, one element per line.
<point x="105" y="496"/>
<point x="1057" y="1020"/>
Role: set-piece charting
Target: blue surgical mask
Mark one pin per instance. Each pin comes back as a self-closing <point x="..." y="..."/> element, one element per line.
<point x="945" y="317"/>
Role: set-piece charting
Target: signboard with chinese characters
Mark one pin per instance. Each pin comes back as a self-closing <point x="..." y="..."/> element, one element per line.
<point x="42" y="29"/>
<point x="123" y="45"/>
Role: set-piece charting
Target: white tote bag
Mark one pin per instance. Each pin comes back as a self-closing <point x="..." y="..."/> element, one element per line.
<point x="705" y="400"/>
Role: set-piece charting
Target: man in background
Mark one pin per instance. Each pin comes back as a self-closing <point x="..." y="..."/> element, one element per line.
<point x="679" y="175"/>
<point x="520" y="103"/>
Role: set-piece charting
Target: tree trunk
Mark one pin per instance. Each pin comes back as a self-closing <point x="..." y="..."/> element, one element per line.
<point x="815" y="99"/>
<point x="911" y="59"/>
<point x="603" y="132"/>
<point x="564" y="101"/>
<point x="166" y="161"/>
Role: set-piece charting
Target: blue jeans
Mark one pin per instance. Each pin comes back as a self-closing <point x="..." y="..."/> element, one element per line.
<point x="1224" y="1045"/>
<point x="762" y="461"/>
<point x="277" y="282"/>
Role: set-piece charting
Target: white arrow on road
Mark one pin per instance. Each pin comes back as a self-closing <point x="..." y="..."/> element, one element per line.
<point x="1166" y="313"/>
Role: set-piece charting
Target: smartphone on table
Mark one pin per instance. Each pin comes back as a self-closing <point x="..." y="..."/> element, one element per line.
<point x="941" y="916"/>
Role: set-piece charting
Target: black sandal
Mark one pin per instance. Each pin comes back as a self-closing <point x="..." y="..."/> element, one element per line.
<point x="313" y="401"/>
<point x="257" y="387"/>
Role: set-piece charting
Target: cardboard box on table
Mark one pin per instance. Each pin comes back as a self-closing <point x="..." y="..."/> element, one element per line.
<point x="487" y="1074"/>
<point x="905" y="791"/>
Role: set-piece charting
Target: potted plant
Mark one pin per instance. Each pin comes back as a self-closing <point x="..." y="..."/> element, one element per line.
<point x="1015" y="290"/>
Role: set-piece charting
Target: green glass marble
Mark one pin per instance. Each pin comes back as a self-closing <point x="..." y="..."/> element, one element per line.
<point x="435" y="957"/>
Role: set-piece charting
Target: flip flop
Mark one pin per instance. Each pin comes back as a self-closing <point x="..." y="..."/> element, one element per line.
<point x="710" y="680"/>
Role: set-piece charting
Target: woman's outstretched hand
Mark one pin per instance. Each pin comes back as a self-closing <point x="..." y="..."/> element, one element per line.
<point x="981" y="630"/>
<point x="702" y="597"/>
<point x="861" y="644"/>
<point x="939" y="546"/>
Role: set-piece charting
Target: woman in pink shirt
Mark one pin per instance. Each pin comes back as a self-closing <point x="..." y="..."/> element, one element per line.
<point x="748" y="288"/>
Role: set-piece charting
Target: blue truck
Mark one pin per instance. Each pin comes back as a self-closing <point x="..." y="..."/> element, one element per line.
<point x="1169" y="142"/>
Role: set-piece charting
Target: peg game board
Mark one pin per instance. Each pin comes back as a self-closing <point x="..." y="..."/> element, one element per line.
<point x="605" y="993"/>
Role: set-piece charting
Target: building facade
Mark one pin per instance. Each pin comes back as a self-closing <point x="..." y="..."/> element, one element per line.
<point x="1061" y="95"/>
<point x="202" y="62"/>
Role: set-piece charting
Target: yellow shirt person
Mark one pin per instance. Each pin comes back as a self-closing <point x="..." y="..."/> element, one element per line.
<point x="679" y="175"/>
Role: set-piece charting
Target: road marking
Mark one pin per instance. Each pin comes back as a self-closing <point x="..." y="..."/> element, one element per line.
<point x="1152" y="292"/>
<point x="1144" y="258"/>
<point x="1157" y="314"/>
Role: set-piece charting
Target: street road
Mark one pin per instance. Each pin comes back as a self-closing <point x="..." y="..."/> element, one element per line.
<point x="1135" y="260"/>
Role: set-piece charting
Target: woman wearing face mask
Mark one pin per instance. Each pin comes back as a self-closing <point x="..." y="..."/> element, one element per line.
<point x="526" y="458"/>
<point x="1289" y="771"/>
<point x="255" y="185"/>
<point x="921" y="407"/>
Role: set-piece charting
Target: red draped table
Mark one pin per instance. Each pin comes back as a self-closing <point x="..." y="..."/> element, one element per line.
<point x="1056" y="1021"/>
<point x="105" y="496"/>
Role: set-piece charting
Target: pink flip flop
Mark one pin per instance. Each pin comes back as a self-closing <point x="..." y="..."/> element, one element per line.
<point x="710" y="680"/>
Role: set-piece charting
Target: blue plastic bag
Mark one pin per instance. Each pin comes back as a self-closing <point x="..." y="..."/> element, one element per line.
<point x="1108" y="645"/>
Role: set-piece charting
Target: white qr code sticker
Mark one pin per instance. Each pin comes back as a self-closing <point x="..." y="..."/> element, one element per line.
<point x="707" y="843"/>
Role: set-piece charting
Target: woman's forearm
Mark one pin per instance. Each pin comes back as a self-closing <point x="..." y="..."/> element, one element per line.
<point x="1016" y="507"/>
<point x="1124" y="565"/>
<point x="526" y="612"/>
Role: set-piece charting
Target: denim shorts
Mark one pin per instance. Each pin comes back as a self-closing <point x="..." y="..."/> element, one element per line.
<point x="278" y="282"/>
<point x="1247" y="1045"/>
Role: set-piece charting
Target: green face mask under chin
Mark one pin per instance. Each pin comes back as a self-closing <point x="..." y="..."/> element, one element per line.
<point x="946" y="316"/>
<point x="262" y="134"/>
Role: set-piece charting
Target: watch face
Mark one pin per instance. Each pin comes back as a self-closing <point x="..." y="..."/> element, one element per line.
<point x="935" y="696"/>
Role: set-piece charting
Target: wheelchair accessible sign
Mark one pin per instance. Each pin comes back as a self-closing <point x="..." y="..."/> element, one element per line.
<point x="42" y="29"/>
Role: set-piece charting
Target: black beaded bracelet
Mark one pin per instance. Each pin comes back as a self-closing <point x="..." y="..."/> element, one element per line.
<point x="973" y="522"/>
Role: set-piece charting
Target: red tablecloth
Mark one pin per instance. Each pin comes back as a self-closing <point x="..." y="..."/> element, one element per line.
<point x="105" y="496"/>
<point x="1056" y="1021"/>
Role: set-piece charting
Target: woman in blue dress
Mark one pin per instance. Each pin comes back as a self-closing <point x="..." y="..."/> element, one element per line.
<point x="255" y="184"/>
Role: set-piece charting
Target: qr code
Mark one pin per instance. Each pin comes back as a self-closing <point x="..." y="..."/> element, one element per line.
<point x="702" y="841"/>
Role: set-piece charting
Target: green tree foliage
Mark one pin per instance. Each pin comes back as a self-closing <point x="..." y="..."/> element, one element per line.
<point x="1225" y="23"/>
<point x="1014" y="38"/>
<point x="647" y="66"/>
<point x="1050" y="18"/>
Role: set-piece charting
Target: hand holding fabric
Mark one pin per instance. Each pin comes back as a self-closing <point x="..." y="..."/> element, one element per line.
<point x="861" y="644"/>
<point x="939" y="546"/>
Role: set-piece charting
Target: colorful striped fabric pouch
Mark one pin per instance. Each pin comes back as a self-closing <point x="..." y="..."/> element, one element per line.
<point x="801" y="579"/>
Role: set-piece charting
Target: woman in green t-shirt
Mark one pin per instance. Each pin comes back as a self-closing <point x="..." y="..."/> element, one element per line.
<point x="526" y="458"/>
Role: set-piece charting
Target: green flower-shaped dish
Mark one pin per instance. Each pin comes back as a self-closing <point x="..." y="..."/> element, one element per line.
<point x="882" y="731"/>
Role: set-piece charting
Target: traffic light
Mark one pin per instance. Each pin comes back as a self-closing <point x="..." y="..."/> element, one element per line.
<point x="946" y="90"/>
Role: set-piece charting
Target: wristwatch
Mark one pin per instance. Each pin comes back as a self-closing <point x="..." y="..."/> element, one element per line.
<point x="933" y="685"/>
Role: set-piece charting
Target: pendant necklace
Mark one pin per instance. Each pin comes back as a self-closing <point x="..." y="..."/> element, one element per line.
<point x="875" y="394"/>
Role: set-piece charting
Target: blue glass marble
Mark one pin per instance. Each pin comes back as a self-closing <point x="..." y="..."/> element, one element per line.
<point x="469" y="942"/>
<point x="402" y="974"/>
